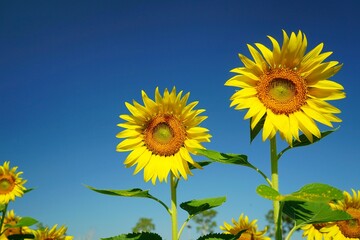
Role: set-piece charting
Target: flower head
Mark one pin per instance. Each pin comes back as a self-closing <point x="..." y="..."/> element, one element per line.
<point x="11" y="184"/>
<point x="160" y="135"/>
<point x="339" y="230"/>
<point x="12" y="219"/>
<point x="319" y="231"/>
<point x="52" y="234"/>
<point x="243" y="223"/>
<point x="287" y="87"/>
<point x="348" y="229"/>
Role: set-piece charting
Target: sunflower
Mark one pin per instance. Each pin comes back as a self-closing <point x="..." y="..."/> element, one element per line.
<point x="160" y="135"/>
<point x="12" y="219"/>
<point x="11" y="184"/>
<point x="287" y="88"/>
<point x="243" y="223"/>
<point x="52" y="234"/>
<point x="349" y="229"/>
<point x="319" y="231"/>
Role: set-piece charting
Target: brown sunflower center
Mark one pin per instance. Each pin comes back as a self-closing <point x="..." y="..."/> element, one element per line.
<point x="164" y="135"/>
<point x="282" y="90"/>
<point x="7" y="184"/>
<point x="351" y="228"/>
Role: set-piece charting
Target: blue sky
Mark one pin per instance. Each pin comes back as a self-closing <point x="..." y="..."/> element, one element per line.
<point x="67" y="67"/>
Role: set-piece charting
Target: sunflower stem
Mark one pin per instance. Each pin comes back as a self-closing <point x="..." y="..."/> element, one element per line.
<point x="174" y="224"/>
<point x="3" y="218"/>
<point x="275" y="185"/>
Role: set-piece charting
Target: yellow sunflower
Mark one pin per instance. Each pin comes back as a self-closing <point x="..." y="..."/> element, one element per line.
<point x="287" y="87"/>
<point x="52" y="234"/>
<point x="349" y="229"/>
<point x="243" y="223"/>
<point x="319" y="231"/>
<point x="160" y="135"/>
<point x="12" y="219"/>
<point x="11" y="184"/>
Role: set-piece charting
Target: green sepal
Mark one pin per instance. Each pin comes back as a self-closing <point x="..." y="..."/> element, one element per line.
<point x="23" y="222"/>
<point x="254" y="132"/>
<point x="229" y="158"/>
<point x="196" y="206"/>
<point x="314" y="192"/>
<point x="20" y="236"/>
<point x="221" y="236"/>
<point x="313" y="212"/>
<point x="28" y="190"/>
<point x="202" y="164"/>
<point x="304" y="141"/>
<point x="136" y="236"/>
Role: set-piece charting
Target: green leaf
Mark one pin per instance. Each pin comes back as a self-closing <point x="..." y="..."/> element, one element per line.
<point x="224" y="157"/>
<point x="313" y="212"/>
<point x="268" y="192"/>
<point x="20" y="236"/>
<point x="196" y="206"/>
<point x="304" y="141"/>
<point x="254" y="132"/>
<point x="135" y="192"/>
<point x="136" y="236"/>
<point x="221" y="236"/>
<point x="24" y="221"/>
<point x="314" y="192"/>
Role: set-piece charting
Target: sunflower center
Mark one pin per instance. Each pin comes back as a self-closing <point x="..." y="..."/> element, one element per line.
<point x="282" y="90"/>
<point x="351" y="228"/>
<point x="6" y="184"/>
<point x="164" y="135"/>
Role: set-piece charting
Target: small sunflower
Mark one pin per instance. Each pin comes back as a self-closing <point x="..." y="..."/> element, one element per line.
<point x="11" y="184"/>
<point x="160" y="135"/>
<point x="12" y="219"/>
<point x="287" y="87"/>
<point x="243" y="223"/>
<point x="349" y="229"/>
<point x="319" y="231"/>
<point x="52" y="234"/>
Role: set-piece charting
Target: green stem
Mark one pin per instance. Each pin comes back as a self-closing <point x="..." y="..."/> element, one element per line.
<point x="275" y="181"/>
<point x="174" y="227"/>
<point x="291" y="232"/>
<point x="2" y="218"/>
<point x="184" y="225"/>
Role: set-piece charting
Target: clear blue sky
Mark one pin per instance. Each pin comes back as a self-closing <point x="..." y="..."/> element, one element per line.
<point x="67" y="67"/>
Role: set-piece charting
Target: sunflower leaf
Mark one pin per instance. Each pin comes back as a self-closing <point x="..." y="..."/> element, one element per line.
<point x="304" y="141"/>
<point x="224" y="157"/>
<point x="254" y="132"/>
<point x="23" y="222"/>
<point x="135" y="192"/>
<point x="20" y="236"/>
<point x="196" y="206"/>
<point x="314" y="192"/>
<point x="313" y="212"/>
<point x="136" y="236"/>
<point x="221" y="236"/>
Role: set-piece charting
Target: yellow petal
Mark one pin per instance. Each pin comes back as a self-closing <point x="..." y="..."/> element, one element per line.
<point x="306" y="123"/>
<point x="129" y="144"/>
<point x="316" y="115"/>
<point x="241" y="81"/>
